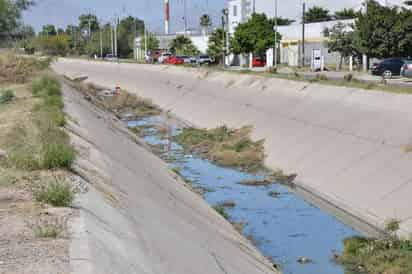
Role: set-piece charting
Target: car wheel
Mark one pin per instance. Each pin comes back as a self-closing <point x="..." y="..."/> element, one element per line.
<point x="387" y="74"/>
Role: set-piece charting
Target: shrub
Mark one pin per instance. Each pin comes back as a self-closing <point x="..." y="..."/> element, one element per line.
<point x="6" y="96"/>
<point x="47" y="231"/>
<point x="57" y="155"/>
<point x="54" y="101"/>
<point x="56" y="193"/>
<point x="46" y="86"/>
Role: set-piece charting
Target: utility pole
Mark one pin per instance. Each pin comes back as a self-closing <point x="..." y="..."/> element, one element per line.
<point x="185" y="12"/>
<point x="276" y="34"/>
<point x="303" y="33"/>
<point x="145" y="41"/>
<point x="254" y="6"/>
<point x="115" y="37"/>
<point x="101" y="42"/>
<point x="223" y="40"/>
<point x="111" y="38"/>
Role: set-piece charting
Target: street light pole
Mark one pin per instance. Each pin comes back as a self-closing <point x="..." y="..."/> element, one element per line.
<point x="276" y="34"/>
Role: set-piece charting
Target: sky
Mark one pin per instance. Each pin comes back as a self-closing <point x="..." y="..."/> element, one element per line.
<point x="64" y="12"/>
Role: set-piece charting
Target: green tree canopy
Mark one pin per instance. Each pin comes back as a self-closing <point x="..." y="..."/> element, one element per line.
<point x="341" y="39"/>
<point x="48" y="30"/>
<point x="205" y="21"/>
<point x="182" y="45"/>
<point x="216" y="44"/>
<point x="57" y="45"/>
<point x="254" y="36"/>
<point x="345" y="14"/>
<point x="10" y="15"/>
<point x="152" y="41"/>
<point x="84" y="20"/>
<point x="128" y="29"/>
<point x="384" y="32"/>
<point x="317" y="14"/>
<point x="282" y="21"/>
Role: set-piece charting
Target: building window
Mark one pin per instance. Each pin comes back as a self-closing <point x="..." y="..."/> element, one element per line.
<point x="234" y="10"/>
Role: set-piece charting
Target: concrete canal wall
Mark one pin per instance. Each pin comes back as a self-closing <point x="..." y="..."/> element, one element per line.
<point x="348" y="146"/>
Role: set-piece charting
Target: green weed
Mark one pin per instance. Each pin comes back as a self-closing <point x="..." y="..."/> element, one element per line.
<point x="221" y="210"/>
<point x="6" y="96"/>
<point x="55" y="193"/>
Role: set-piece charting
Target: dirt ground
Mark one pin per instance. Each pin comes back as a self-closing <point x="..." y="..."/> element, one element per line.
<point x="25" y="246"/>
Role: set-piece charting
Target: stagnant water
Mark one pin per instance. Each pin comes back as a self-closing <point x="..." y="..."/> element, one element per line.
<point x="284" y="228"/>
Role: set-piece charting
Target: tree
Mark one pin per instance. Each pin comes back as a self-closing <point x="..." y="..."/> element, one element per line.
<point x="317" y="14"/>
<point x="48" y="30"/>
<point x="205" y="22"/>
<point x="341" y="39"/>
<point x="282" y="21"/>
<point x="254" y="36"/>
<point x="384" y="32"/>
<point x="216" y="44"/>
<point x="152" y="41"/>
<point x="128" y="29"/>
<point x="345" y="14"/>
<point x="10" y="15"/>
<point x="182" y="45"/>
<point x="84" y="20"/>
<point x="57" y="45"/>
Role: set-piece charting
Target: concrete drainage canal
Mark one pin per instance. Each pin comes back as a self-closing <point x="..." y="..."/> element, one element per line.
<point x="299" y="237"/>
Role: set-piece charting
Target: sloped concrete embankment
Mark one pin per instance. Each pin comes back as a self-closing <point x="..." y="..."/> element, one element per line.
<point x="136" y="216"/>
<point x="349" y="146"/>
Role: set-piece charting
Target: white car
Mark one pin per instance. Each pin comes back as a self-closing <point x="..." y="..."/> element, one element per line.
<point x="164" y="57"/>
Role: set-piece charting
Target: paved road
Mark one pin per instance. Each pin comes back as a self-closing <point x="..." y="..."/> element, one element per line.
<point x="347" y="145"/>
<point x="339" y="75"/>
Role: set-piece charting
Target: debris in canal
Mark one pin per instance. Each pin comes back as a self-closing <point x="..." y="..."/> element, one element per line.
<point x="263" y="182"/>
<point x="227" y="147"/>
<point x="274" y="194"/>
<point x="279" y="176"/>
<point x="228" y="204"/>
<point x="304" y="260"/>
<point x="120" y="102"/>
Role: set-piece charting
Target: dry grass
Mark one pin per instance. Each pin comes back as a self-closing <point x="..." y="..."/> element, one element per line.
<point x="122" y="103"/>
<point x="15" y="69"/>
<point x="227" y="147"/>
<point x="407" y="148"/>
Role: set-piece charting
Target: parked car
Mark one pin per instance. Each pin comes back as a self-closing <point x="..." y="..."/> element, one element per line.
<point x="258" y="62"/>
<point x="163" y="57"/>
<point x="204" y="60"/>
<point x="186" y="59"/>
<point x="174" y="60"/>
<point x="389" y="67"/>
<point x="406" y="70"/>
<point x="110" y="57"/>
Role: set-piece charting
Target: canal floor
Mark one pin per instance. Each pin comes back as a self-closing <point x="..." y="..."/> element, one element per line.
<point x="283" y="226"/>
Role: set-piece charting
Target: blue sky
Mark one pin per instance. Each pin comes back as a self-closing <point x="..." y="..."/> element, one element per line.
<point x="63" y="12"/>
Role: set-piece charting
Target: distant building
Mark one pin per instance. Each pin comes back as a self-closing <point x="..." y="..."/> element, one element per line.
<point x="316" y="37"/>
<point x="291" y="44"/>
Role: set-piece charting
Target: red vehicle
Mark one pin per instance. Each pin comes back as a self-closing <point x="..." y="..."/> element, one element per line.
<point x="174" y="60"/>
<point x="258" y="62"/>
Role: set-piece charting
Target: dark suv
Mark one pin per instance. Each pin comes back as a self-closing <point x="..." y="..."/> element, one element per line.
<point x="388" y="67"/>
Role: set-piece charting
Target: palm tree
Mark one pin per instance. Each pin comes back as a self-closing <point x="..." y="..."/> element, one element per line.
<point x="205" y="23"/>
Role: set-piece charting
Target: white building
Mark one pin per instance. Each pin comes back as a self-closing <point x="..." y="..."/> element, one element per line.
<point x="291" y="44"/>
